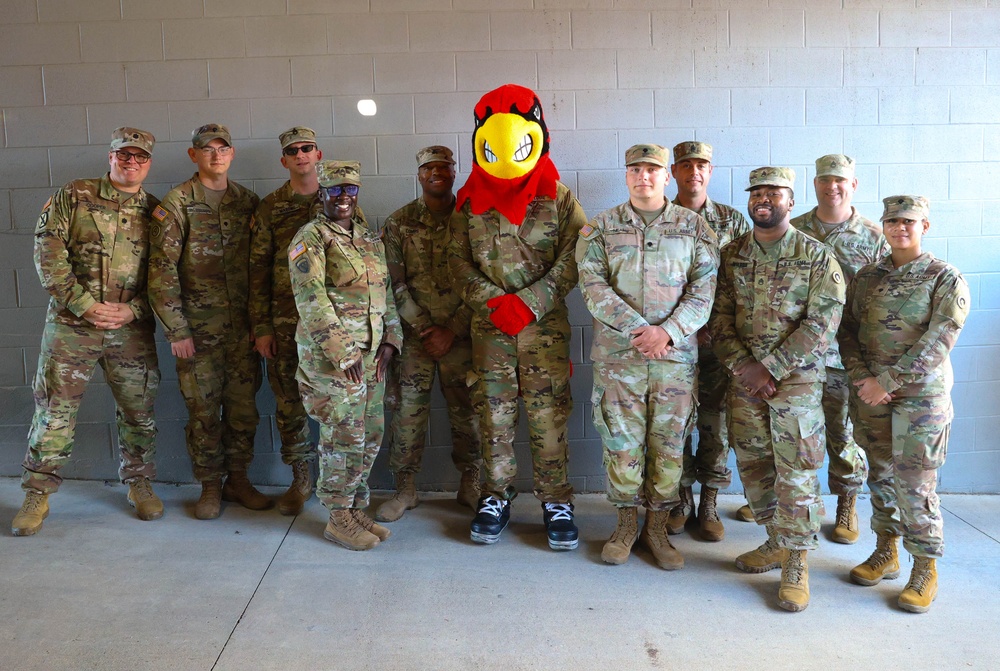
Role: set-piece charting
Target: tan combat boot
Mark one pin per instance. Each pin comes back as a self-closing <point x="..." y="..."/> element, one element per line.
<point x="768" y="556"/>
<point x="708" y="516"/>
<point x="468" y="488"/>
<point x="882" y="565"/>
<point x="210" y="502"/>
<point x="619" y="546"/>
<point x="370" y="525"/>
<point x="239" y="490"/>
<point x="343" y="529"/>
<point x="846" y="529"/>
<point x="745" y="514"/>
<point x="793" y="594"/>
<point x="922" y="588"/>
<point x="29" y="518"/>
<point x="404" y="499"/>
<point x="681" y="513"/>
<point x="655" y="537"/>
<point x="141" y="496"/>
<point x="292" y="501"/>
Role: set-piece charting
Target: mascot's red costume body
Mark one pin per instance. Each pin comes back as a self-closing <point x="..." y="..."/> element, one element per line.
<point x="514" y="265"/>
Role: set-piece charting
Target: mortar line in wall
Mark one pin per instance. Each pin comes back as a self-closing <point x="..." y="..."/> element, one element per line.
<point x="257" y="587"/>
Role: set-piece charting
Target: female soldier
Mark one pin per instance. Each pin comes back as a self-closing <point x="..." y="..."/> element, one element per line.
<point x="902" y="318"/>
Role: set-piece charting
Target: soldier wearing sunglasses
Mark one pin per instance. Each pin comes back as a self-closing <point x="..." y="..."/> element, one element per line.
<point x="91" y="252"/>
<point x="348" y="333"/>
<point x="273" y="317"/>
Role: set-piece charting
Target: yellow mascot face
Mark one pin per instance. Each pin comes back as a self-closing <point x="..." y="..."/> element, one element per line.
<point x="509" y="145"/>
<point x="511" y="135"/>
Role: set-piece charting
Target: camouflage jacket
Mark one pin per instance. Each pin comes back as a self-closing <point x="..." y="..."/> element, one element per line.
<point x="633" y="274"/>
<point x="199" y="261"/>
<point x="901" y="323"/>
<point x="279" y="217"/>
<point x="780" y="308"/>
<point x="726" y="222"/>
<point x="90" y="248"/>
<point x="416" y="251"/>
<point x="343" y="294"/>
<point x="855" y="243"/>
<point x="489" y="256"/>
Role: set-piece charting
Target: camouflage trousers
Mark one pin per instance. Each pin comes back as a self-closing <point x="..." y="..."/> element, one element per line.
<point x="779" y="447"/>
<point x="219" y="385"/>
<point x="846" y="468"/>
<point x="69" y="355"/>
<point x="534" y="364"/>
<point x="709" y="464"/>
<point x="643" y="411"/>
<point x="289" y="413"/>
<point x="906" y="443"/>
<point x="408" y="430"/>
<point x="351" y="420"/>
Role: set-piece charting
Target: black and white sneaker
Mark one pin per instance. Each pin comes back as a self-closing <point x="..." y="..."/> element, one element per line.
<point x="490" y="520"/>
<point x="562" y="533"/>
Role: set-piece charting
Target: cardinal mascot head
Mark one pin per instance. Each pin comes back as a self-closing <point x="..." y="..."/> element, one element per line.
<point x="511" y="154"/>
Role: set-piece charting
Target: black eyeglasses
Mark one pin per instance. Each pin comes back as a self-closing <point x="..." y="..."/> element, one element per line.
<point x="124" y="157"/>
<point x="334" y="191"/>
<point x="305" y="149"/>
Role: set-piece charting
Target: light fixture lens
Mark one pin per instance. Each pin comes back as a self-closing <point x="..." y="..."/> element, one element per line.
<point x="367" y="107"/>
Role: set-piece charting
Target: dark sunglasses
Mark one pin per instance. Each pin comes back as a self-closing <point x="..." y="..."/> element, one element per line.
<point x="305" y="149"/>
<point x="125" y="156"/>
<point x="334" y="191"/>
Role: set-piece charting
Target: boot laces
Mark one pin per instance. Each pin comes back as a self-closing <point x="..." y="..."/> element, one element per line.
<point x="363" y="520"/>
<point x="492" y="506"/>
<point x="142" y="489"/>
<point x="793" y="567"/>
<point x="844" y="509"/>
<point x="708" y="505"/>
<point x="33" y="502"/>
<point x="918" y="580"/>
<point x="559" y="511"/>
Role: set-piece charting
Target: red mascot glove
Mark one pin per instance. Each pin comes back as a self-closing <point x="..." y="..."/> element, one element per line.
<point x="510" y="314"/>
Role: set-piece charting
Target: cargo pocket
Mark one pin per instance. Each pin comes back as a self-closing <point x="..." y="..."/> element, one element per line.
<point x="935" y="444"/>
<point x="812" y="440"/>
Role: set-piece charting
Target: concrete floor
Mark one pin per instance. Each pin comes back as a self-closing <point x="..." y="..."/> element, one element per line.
<point x="99" y="589"/>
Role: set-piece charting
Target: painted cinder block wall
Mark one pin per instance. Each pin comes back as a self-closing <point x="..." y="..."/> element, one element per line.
<point x="910" y="88"/>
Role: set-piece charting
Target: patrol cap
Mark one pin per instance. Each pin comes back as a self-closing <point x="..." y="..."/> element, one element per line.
<point x="692" y="149"/>
<point x="332" y="173"/>
<point x="297" y="134"/>
<point x="647" y="153"/>
<point x="202" y="135"/>
<point x="435" y="154"/>
<point x="906" y="207"/>
<point x="835" y="165"/>
<point x="770" y="176"/>
<point x="132" y="137"/>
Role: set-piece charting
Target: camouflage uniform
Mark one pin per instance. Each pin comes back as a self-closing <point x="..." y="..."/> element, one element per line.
<point x="899" y="326"/>
<point x="708" y="465"/>
<point x="344" y="297"/>
<point x="279" y="217"/>
<point x="416" y="248"/>
<point x="855" y="243"/>
<point x="198" y="287"/>
<point x="782" y="309"/>
<point x="490" y="257"/>
<point x="634" y="274"/>
<point x="92" y="246"/>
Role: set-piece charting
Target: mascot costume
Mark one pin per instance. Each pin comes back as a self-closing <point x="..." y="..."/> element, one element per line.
<point x="513" y="264"/>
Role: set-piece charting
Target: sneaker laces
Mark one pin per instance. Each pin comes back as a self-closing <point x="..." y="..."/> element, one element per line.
<point x="559" y="511"/>
<point x="492" y="506"/>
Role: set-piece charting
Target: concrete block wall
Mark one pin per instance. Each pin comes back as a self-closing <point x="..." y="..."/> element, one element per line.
<point x="910" y="88"/>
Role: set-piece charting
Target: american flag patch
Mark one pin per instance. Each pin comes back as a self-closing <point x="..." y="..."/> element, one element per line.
<point x="586" y="230"/>
<point x="297" y="251"/>
<point x="159" y="213"/>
